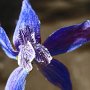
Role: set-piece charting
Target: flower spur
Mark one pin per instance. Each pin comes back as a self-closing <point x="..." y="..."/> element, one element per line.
<point x="28" y="45"/>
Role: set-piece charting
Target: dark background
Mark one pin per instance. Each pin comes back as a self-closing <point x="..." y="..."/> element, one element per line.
<point x="53" y="15"/>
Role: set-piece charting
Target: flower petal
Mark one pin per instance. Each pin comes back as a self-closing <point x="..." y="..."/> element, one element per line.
<point x="17" y="79"/>
<point x="56" y="73"/>
<point x="6" y="45"/>
<point x="26" y="56"/>
<point x="28" y="22"/>
<point x="68" y="38"/>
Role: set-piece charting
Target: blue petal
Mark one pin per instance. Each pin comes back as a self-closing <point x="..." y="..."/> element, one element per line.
<point x="68" y="38"/>
<point x="17" y="79"/>
<point x="57" y="74"/>
<point x="6" y="45"/>
<point x="28" y="22"/>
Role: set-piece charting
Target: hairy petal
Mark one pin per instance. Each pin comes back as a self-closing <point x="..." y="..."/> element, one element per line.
<point x="57" y="74"/>
<point x="68" y="38"/>
<point x="28" y="22"/>
<point x="26" y="56"/>
<point x="6" y="45"/>
<point x="17" y="79"/>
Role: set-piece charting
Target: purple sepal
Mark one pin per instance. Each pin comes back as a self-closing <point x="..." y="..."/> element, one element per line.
<point x="17" y="79"/>
<point x="28" y="22"/>
<point x="57" y="74"/>
<point x="68" y="38"/>
<point x="6" y="45"/>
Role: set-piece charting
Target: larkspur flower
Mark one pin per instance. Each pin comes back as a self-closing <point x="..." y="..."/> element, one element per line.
<point x="28" y="45"/>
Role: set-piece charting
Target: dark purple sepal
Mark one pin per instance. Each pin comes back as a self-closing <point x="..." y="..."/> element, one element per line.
<point x="68" y="38"/>
<point x="28" y="22"/>
<point x="57" y="74"/>
<point x="17" y="79"/>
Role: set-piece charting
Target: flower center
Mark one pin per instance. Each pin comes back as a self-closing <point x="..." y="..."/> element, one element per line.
<point x="30" y="50"/>
<point x="26" y="56"/>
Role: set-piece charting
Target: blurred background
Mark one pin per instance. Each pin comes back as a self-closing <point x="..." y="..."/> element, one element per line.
<point x="53" y="15"/>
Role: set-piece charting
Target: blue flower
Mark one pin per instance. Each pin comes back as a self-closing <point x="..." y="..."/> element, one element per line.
<point x="28" y="45"/>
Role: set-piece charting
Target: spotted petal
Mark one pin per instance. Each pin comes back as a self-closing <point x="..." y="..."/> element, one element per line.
<point x="17" y="79"/>
<point x="28" y="22"/>
<point x="6" y="45"/>
<point x="68" y="38"/>
<point x="57" y="74"/>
